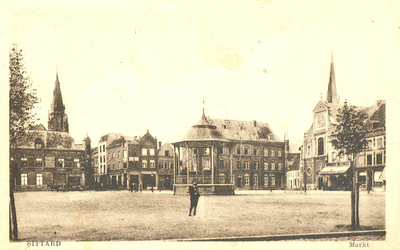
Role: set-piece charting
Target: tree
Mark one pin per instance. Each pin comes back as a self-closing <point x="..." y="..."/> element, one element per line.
<point x="349" y="138"/>
<point x="22" y="99"/>
<point x="263" y="132"/>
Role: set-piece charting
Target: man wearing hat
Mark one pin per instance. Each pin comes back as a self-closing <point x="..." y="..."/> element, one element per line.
<point x="194" y="198"/>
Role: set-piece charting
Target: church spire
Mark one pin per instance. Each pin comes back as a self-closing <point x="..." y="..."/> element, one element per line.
<point x="57" y="104"/>
<point x="58" y="120"/>
<point x="331" y="95"/>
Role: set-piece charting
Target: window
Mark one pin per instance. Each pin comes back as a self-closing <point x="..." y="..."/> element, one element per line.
<point x="61" y="163"/>
<point x="279" y="153"/>
<point x="246" y="165"/>
<point x="279" y="166"/>
<point x="166" y="152"/>
<point x="379" y="143"/>
<point x="206" y="151"/>
<point x="113" y="155"/>
<point x="272" y="180"/>
<point x="265" y="180"/>
<point x="241" y="127"/>
<point x="221" y="151"/>
<point x="24" y="179"/>
<point x="152" y="164"/>
<point x="195" y="151"/>
<point x="254" y="151"/>
<point x="221" y="164"/>
<point x="100" y="149"/>
<point x="271" y="137"/>
<point x="39" y="179"/>
<point x="255" y="180"/>
<point x="125" y="165"/>
<point x="119" y="164"/>
<point x="38" y="143"/>
<point x="255" y="165"/>
<point x="104" y="148"/>
<point x="239" y="165"/>
<point x="378" y="158"/>
<point x="369" y="144"/>
<point x="152" y="151"/>
<point x="144" y="164"/>
<point x="123" y="144"/>
<point x="320" y="146"/>
<point x="104" y="158"/>
<point x="333" y="156"/>
<point x="160" y="165"/>
<point x="265" y="165"/>
<point x="119" y="154"/>
<point x="206" y="164"/>
<point x="38" y="162"/>
<point x="144" y="151"/>
<point x="239" y="150"/>
<point x="125" y="154"/>
<point x="246" y="151"/>
<point x="246" y="180"/>
<point x="369" y="159"/>
<point x="273" y="166"/>
<point x="224" y="126"/>
<point x="76" y="163"/>
<point x="221" y="180"/>
<point x="273" y="152"/>
<point x="308" y="150"/>
<point x="113" y="166"/>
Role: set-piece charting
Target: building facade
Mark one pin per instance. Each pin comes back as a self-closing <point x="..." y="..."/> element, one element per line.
<point x="220" y="153"/>
<point x="50" y="159"/>
<point x="325" y="169"/>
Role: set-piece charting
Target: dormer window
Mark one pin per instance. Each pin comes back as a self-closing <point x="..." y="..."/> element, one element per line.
<point x="38" y="143"/>
<point x="241" y="127"/>
<point x="271" y="137"/>
<point x="224" y="126"/>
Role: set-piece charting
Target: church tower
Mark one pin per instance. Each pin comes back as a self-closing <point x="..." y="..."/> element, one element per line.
<point x="331" y="95"/>
<point x="58" y="120"/>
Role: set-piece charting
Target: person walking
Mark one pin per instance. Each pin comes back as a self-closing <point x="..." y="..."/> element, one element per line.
<point x="194" y="198"/>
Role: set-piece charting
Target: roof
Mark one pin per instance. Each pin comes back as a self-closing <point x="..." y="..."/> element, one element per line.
<point x="119" y="140"/>
<point x="165" y="147"/>
<point x="242" y="130"/>
<point x="294" y="165"/>
<point x="51" y="140"/>
<point x="203" y="131"/>
<point x="109" y="137"/>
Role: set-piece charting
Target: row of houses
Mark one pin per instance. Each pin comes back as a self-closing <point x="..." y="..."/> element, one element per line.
<point x="220" y="155"/>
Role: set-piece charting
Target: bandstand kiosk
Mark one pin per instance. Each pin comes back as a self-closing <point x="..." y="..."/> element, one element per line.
<point x="197" y="160"/>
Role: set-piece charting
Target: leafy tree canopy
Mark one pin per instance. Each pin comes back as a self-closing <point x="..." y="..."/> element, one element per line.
<point x="349" y="136"/>
<point x="263" y="132"/>
<point x="22" y="99"/>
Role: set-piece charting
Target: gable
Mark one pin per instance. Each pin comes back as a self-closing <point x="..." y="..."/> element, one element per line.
<point x="320" y="107"/>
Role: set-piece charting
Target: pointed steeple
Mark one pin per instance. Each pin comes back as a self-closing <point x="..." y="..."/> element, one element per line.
<point x="58" y="119"/>
<point x="331" y="95"/>
<point x="57" y="104"/>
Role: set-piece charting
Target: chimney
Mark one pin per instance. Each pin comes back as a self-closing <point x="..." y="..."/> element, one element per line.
<point x="159" y="145"/>
<point x="255" y="123"/>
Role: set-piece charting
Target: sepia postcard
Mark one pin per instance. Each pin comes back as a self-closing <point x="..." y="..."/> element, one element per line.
<point x="173" y="124"/>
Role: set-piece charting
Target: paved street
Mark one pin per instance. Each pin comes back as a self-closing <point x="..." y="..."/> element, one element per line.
<point x="121" y="215"/>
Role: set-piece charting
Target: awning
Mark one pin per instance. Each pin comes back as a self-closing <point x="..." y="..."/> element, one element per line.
<point x="334" y="170"/>
<point x="383" y="175"/>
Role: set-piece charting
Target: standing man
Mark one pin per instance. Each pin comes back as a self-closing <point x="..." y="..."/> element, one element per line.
<point x="194" y="198"/>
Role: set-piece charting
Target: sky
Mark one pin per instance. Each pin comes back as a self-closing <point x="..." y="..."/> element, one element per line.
<point x="125" y="67"/>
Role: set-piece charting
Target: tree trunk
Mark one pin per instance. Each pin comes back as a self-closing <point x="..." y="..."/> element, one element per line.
<point x="353" y="196"/>
<point x="13" y="214"/>
<point x="357" y="201"/>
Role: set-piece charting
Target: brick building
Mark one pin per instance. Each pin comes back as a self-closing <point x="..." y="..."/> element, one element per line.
<point x="50" y="158"/>
<point x="220" y="152"/>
